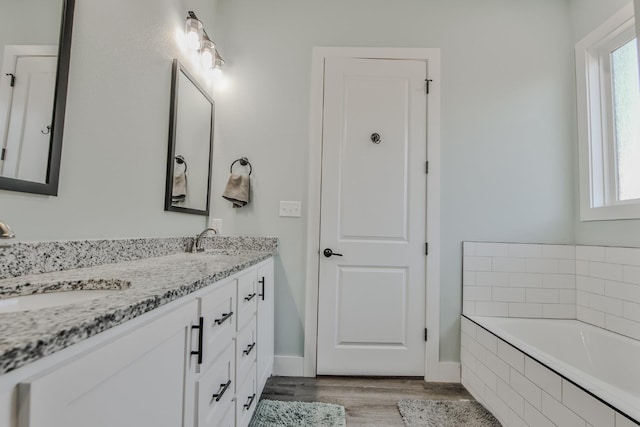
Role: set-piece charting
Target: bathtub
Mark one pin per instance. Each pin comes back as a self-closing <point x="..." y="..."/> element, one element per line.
<point x="604" y="366"/>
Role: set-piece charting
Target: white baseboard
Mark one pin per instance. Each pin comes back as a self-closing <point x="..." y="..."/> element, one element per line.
<point x="288" y="366"/>
<point x="293" y="366"/>
<point x="449" y="372"/>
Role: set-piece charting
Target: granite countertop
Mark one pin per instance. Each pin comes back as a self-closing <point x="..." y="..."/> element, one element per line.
<point x="140" y="285"/>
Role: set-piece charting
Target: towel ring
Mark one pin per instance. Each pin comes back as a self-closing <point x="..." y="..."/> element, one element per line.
<point x="243" y="162"/>
<point x="179" y="160"/>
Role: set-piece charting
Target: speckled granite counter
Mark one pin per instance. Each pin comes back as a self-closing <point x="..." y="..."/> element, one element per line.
<point x="146" y="284"/>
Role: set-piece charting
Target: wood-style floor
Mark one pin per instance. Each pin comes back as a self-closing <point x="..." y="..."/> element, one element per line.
<point x="368" y="401"/>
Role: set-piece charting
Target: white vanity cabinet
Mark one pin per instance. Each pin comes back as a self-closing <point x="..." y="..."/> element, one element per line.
<point x="135" y="380"/>
<point x="237" y="338"/>
<point x="214" y="379"/>
<point x="196" y="362"/>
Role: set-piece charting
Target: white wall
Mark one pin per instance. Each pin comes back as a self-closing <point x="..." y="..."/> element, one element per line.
<point x="587" y="15"/>
<point x="506" y="123"/>
<point x="114" y="153"/>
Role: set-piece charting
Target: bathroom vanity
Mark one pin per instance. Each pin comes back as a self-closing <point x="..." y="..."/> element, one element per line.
<point x="179" y="340"/>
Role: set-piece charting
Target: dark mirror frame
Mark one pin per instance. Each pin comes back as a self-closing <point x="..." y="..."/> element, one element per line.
<point x="173" y="118"/>
<point x="59" y="104"/>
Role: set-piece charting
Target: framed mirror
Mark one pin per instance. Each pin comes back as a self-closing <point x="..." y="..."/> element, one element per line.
<point x="35" y="47"/>
<point x="189" y="160"/>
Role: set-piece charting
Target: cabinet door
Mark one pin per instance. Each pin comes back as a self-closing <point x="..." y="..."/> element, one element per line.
<point x="265" y="344"/>
<point x="247" y="297"/>
<point x="246" y="399"/>
<point x="229" y="419"/>
<point x="218" y="310"/>
<point x="135" y="380"/>
<point x="246" y="350"/>
<point x="216" y="389"/>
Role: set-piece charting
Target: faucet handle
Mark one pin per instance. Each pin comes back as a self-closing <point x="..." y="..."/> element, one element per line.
<point x="5" y="231"/>
<point x="191" y="243"/>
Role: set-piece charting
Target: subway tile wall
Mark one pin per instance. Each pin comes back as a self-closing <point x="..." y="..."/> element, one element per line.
<point x="608" y="288"/>
<point x="519" y="280"/>
<point x="594" y="284"/>
<point x="521" y="392"/>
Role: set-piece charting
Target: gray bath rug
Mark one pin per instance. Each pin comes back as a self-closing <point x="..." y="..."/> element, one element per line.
<point x="275" y="413"/>
<point x="445" y="413"/>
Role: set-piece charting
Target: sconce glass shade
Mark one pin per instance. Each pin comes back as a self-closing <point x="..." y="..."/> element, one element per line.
<point x="194" y="31"/>
<point x="207" y="52"/>
<point x="216" y="71"/>
<point x="218" y="74"/>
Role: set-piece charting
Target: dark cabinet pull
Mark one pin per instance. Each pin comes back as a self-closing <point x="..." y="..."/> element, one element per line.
<point x="223" y="389"/>
<point x="250" y="402"/>
<point x="200" y="328"/>
<point x="250" y="297"/>
<point x="224" y="318"/>
<point x="261" y="281"/>
<point x="249" y="349"/>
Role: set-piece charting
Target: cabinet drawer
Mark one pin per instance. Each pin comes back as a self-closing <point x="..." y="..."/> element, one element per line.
<point x="229" y="419"/>
<point x="247" y="399"/>
<point x="246" y="350"/>
<point x="247" y="297"/>
<point x="215" y="389"/>
<point x="218" y="308"/>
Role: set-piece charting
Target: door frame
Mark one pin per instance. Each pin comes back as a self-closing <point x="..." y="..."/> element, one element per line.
<point x="9" y="59"/>
<point x="433" y="369"/>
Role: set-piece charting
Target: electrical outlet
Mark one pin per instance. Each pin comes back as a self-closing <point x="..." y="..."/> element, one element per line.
<point x="216" y="223"/>
<point x="291" y="209"/>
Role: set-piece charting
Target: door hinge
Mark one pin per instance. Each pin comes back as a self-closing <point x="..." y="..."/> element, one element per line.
<point x="426" y="248"/>
<point x="3" y="153"/>
<point x="426" y="169"/>
<point x="426" y="334"/>
<point x="427" y="85"/>
<point x="12" y="83"/>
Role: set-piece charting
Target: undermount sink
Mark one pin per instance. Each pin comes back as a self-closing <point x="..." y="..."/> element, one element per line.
<point x="62" y="296"/>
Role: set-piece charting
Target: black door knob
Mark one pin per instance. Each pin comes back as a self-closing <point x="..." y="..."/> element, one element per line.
<point x="329" y="253"/>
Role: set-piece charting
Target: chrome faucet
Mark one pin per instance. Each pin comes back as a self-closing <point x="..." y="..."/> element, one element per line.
<point x="5" y="233"/>
<point x="198" y="239"/>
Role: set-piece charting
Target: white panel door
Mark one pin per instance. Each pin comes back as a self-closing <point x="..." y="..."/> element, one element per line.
<point x="371" y="313"/>
<point x="30" y="118"/>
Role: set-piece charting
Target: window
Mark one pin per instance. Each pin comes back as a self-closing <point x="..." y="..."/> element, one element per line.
<point x="626" y="118"/>
<point x="608" y="79"/>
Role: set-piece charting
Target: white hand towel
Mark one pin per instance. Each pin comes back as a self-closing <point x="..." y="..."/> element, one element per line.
<point x="238" y="190"/>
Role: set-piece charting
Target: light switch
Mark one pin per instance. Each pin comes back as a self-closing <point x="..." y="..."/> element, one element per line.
<point x="290" y="208"/>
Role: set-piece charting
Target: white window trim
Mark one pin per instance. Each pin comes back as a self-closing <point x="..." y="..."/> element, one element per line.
<point x="593" y="165"/>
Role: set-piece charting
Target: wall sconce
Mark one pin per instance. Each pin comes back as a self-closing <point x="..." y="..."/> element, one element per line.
<point x="217" y="67"/>
<point x="194" y="31"/>
<point x="198" y="39"/>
